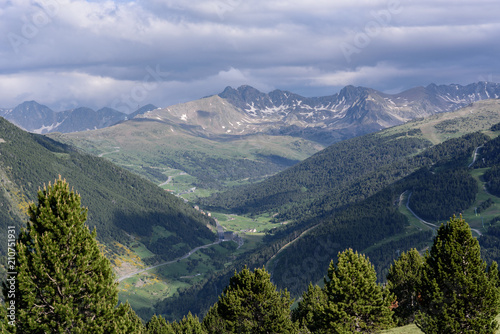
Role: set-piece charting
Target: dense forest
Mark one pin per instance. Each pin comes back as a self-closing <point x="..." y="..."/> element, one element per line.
<point x="492" y="177"/>
<point x="344" y="173"/>
<point x="490" y="157"/>
<point x="369" y="221"/>
<point x="438" y="194"/>
<point x="120" y="203"/>
<point x="490" y="242"/>
<point x="335" y="167"/>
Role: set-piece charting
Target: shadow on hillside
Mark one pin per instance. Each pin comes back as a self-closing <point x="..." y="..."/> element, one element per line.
<point x="166" y="235"/>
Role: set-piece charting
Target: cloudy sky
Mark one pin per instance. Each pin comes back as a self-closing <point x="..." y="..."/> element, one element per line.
<point x="121" y="54"/>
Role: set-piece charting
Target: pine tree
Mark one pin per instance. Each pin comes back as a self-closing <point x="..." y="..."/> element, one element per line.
<point x="64" y="283"/>
<point x="313" y="301"/>
<point x="356" y="303"/>
<point x="158" y="325"/>
<point x="131" y="323"/>
<point x="401" y="281"/>
<point x="213" y="322"/>
<point x="188" y="325"/>
<point x="456" y="293"/>
<point x="494" y="274"/>
<point x="251" y="304"/>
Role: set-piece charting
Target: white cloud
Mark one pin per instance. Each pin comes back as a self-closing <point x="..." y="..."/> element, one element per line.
<point x="53" y="88"/>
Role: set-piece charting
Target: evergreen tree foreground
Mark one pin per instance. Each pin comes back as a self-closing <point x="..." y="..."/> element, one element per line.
<point x="64" y="282"/>
<point x="251" y="304"/>
<point x="456" y="293"/>
<point x="351" y="300"/>
<point x="402" y="278"/>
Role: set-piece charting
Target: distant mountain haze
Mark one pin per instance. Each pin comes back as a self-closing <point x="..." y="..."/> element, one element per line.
<point x="34" y="117"/>
<point x="351" y="112"/>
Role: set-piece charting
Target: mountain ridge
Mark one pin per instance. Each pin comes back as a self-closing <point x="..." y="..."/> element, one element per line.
<point x="38" y="118"/>
<point x="351" y="112"/>
<point x="245" y="110"/>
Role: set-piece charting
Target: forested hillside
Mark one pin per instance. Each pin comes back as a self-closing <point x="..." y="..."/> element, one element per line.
<point x="441" y="187"/>
<point x="436" y="194"/>
<point x="122" y="206"/>
<point x="490" y="161"/>
<point x="298" y="253"/>
<point x="335" y="169"/>
<point x="328" y="209"/>
<point x="343" y="173"/>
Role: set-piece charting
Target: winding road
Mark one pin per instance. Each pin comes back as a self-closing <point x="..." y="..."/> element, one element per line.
<point x="475" y="156"/>
<point x="185" y="256"/>
<point x="166" y="182"/>
<point x="117" y="149"/>
<point x="427" y="223"/>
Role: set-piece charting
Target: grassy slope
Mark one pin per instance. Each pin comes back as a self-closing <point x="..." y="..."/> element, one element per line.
<point x="479" y="116"/>
<point x="124" y="208"/>
<point x="212" y="162"/>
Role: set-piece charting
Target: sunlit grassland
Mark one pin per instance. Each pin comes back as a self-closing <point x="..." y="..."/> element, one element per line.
<point x="237" y="223"/>
<point x="144" y="290"/>
<point x="252" y="241"/>
<point x="413" y="329"/>
<point x="409" y="329"/>
<point x="141" y="250"/>
<point x="477" y="220"/>
<point x="179" y="182"/>
<point x="412" y="220"/>
<point x="443" y="126"/>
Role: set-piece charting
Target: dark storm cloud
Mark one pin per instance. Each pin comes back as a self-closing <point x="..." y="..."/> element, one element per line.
<point x="65" y="53"/>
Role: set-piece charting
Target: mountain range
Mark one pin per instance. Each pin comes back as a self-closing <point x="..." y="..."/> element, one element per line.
<point x="351" y="112"/>
<point x="37" y="118"/>
<point x="245" y="110"/>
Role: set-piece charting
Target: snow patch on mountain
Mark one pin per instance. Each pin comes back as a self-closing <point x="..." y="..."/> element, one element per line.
<point x="46" y="129"/>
